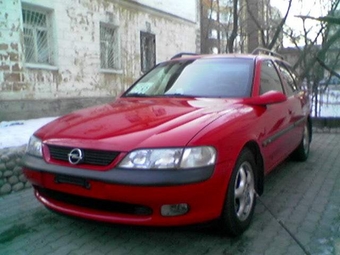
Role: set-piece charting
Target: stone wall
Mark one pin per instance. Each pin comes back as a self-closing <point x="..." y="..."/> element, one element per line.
<point x="25" y="109"/>
<point x="12" y="178"/>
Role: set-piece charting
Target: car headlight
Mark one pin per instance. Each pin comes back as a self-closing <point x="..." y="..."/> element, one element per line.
<point x="34" y="147"/>
<point x="170" y="158"/>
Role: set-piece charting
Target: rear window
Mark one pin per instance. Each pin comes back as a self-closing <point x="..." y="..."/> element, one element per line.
<point x="198" y="78"/>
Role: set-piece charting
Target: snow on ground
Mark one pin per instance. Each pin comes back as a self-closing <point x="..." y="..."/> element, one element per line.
<point x="329" y="103"/>
<point x="17" y="133"/>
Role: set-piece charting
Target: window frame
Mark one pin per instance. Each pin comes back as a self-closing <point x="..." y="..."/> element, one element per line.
<point x="145" y="67"/>
<point x="35" y="28"/>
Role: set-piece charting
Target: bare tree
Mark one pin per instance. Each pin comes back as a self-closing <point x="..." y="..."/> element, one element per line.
<point x="234" y="32"/>
<point x="223" y="16"/>
<point x="269" y="32"/>
<point x="313" y="58"/>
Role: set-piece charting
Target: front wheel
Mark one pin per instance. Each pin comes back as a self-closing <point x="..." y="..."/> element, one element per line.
<point x="240" y="199"/>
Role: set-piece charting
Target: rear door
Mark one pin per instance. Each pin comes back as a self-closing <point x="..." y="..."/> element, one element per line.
<point x="276" y="119"/>
<point x="297" y="102"/>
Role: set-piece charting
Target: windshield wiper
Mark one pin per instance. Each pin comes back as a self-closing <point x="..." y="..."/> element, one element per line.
<point x="135" y="95"/>
<point x="177" y="95"/>
<point x="157" y="95"/>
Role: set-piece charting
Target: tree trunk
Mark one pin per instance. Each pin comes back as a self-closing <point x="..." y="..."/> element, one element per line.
<point x="231" y="39"/>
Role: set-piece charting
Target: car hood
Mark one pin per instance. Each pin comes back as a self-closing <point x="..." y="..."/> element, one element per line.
<point x="130" y="123"/>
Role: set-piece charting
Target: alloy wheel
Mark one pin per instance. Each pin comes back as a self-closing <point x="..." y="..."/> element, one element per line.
<point x="244" y="191"/>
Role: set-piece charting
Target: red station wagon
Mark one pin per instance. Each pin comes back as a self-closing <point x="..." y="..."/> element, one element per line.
<point x="189" y="142"/>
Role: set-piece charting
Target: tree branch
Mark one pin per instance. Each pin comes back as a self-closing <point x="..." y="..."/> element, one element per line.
<point x="279" y="28"/>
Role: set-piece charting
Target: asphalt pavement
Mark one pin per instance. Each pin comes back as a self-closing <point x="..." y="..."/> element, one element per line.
<point x="299" y="213"/>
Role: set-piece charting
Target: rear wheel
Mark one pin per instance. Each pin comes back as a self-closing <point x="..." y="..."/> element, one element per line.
<point x="240" y="198"/>
<point x="301" y="153"/>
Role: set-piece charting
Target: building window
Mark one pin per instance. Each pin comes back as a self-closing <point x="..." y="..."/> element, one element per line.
<point x="226" y="18"/>
<point x="214" y="50"/>
<point x="212" y="14"/>
<point x="109" y="47"/>
<point x="223" y="35"/>
<point x="226" y="3"/>
<point x="213" y="34"/>
<point x="148" y="51"/>
<point x="37" y="36"/>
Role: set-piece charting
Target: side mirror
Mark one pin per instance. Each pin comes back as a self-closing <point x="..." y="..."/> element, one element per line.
<point x="270" y="97"/>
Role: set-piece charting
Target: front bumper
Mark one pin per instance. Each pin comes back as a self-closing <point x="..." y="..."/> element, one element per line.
<point x="136" y="190"/>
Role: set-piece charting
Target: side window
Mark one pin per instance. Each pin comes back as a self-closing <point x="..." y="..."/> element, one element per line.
<point x="270" y="79"/>
<point x="288" y="78"/>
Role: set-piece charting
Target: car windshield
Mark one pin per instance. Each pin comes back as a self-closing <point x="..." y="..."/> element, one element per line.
<point x="222" y="77"/>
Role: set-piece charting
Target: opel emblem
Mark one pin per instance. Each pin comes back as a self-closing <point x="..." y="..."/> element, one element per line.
<point x="75" y="156"/>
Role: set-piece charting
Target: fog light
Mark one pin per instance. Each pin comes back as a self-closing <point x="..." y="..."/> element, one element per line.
<point x="174" y="210"/>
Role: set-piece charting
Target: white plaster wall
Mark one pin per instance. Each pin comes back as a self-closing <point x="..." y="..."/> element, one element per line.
<point x="185" y="9"/>
<point x="76" y="72"/>
<point x="11" y="61"/>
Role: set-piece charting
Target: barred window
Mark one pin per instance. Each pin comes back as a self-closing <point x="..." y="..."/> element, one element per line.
<point x="37" y="32"/>
<point x="109" y="47"/>
<point x="148" y="51"/>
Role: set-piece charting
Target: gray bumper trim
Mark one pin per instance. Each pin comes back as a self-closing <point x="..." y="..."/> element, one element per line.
<point x="161" y="177"/>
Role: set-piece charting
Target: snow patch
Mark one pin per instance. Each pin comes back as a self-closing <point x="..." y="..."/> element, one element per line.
<point x="17" y="133"/>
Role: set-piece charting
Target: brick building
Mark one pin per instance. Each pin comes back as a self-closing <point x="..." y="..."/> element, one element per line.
<point x="59" y="55"/>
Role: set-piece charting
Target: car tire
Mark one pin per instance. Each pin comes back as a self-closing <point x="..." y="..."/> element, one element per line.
<point x="301" y="153"/>
<point x="239" y="204"/>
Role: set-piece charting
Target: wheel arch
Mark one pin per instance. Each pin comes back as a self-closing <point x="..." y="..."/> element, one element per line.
<point x="259" y="174"/>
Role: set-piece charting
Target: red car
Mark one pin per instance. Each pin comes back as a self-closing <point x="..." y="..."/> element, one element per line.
<point x="189" y="142"/>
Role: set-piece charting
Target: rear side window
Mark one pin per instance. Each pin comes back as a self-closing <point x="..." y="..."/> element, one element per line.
<point x="288" y="78"/>
<point x="270" y="79"/>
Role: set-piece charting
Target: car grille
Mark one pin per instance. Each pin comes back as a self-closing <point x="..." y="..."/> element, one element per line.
<point x="91" y="157"/>
<point x="96" y="204"/>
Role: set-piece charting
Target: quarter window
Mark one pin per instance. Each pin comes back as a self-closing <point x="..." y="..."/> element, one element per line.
<point x="37" y="32"/>
<point x="109" y="47"/>
<point x="269" y="78"/>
